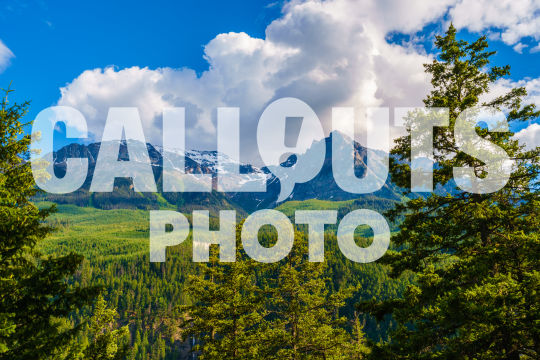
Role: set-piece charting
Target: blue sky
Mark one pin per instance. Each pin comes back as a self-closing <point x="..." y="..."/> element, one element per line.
<point x="53" y="43"/>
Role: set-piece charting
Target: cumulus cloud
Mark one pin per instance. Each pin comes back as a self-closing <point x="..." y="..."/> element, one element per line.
<point x="331" y="53"/>
<point x="5" y="56"/>
<point x="530" y="136"/>
<point x="502" y="86"/>
<point x="326" y="53"/>
<point x="519" y="47"/>
<point x="515" y="19"/>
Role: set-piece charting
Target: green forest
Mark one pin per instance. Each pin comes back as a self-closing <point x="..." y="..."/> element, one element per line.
<point x="460" y="280"/>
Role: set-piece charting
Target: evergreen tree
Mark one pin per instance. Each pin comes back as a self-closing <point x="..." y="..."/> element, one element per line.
<point x="107" y="341"/>
<point x="35" y="299"/>
<point x="286" y="310"/>
<point x="475" y="256"/>
<point x="305" y="322"/>
<point x="227" y="310"/>
<point x="357" y="348"/>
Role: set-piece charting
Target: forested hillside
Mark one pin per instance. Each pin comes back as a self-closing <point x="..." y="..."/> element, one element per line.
<point x="146" y="295"/>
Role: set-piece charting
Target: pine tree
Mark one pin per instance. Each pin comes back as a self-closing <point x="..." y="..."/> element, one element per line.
<point x="227" y="310"/>
<point x="305" y="322"/>
<point x="35" y="298"/>
<point x="475" y="256"/>
<point x="107" y="341"/>
<point x="357" y="348"/>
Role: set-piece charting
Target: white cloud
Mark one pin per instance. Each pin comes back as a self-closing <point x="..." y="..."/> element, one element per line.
<point x="530" y="136"/>
<point x="515" y="19"/>
<point x="331" y="53"/>
<point x="327" y="53"/>
<point x="502" y="86"/>
<point x="5" y="56"/>
<point x="519" y="47"/>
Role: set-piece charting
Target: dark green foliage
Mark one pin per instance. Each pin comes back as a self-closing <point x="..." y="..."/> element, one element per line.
<point x="287" y="310"/>
<point x="35" y="299"/>
<point x="475" y="256"/>
<point x="227" y="312"/>
<point x="305" y="321"/>
<point x="115" y="243"/>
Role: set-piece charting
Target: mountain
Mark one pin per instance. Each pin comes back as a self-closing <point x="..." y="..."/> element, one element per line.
<point x="124" y="196"/>
<point x="322" y="187"/>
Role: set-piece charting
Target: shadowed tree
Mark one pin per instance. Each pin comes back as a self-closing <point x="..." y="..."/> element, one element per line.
<point x="304" y="321"/>
<point x="475" y="255"/>
<point x="227" y="310"/>
<point x="35" y="297"/>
